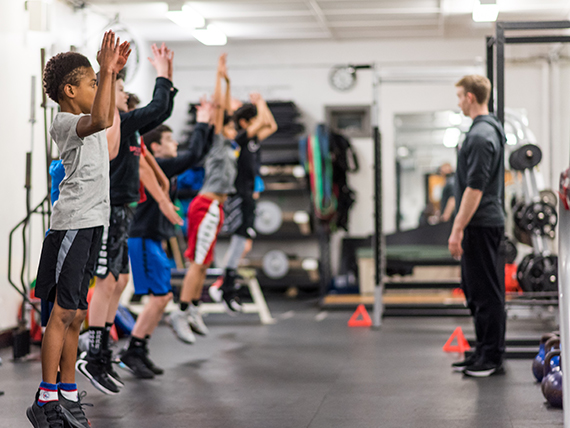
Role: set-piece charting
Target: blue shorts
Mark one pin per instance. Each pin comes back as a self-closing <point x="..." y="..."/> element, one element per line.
<point x="150" y="267"/>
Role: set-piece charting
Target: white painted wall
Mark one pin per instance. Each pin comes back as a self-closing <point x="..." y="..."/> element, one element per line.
<point x="20" y="53"/>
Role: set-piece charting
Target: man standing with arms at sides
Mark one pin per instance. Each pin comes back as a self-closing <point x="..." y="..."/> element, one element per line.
<point x="478" y="228"/>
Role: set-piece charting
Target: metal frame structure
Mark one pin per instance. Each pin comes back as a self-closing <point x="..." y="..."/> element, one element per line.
<point x="499" y="41"/>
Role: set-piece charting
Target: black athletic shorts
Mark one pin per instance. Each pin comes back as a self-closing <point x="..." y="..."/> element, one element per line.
<point x="239" y="213"/>
<point x="67" y="264"/>
<point x="114" y="254"/>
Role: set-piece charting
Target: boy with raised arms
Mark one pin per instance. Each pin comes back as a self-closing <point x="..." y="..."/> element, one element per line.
<point x="70" y="248"/>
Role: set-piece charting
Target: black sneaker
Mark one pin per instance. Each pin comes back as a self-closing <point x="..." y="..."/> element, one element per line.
<point x="50" y="415"/>
<point x="231" y="301"/>
<point x="149" y="363"/>
<point x="113" y="375"/>
<point x="132" y="359"/>
<point x="459" y="366"/>
<point x="96" y="372"/>
<point x="484" y="369"/>
<point x="75" y="409"/>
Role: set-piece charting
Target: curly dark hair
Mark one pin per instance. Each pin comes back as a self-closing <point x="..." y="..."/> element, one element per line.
<point x="247" y="111"/>
<point x="62" y="69"/>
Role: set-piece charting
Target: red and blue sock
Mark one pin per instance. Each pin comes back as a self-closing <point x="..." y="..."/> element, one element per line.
<point x="69" y="391"/>
<point x="47" y="393"/>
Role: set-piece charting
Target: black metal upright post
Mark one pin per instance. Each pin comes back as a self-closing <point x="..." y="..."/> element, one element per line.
<point x="500" y="41"/>
<point x="379" y="245"/>
<point x="491" y="71"/>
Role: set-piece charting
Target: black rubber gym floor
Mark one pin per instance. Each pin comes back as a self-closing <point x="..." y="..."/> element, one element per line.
<point x="308" y="370"/>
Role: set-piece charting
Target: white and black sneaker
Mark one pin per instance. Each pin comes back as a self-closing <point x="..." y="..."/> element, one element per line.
<point x="484" y="369"/>
<point x="232" y="302"/>
<point x="214" y="290"/>
<point x="179" y="323"/>
<point x="96" y="372"/>
<point x="109" y="361"/>
<point x="460" y="366"/>
<point x="195" y="320"/>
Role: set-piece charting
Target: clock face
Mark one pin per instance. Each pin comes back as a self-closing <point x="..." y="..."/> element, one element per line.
<point x="343" y="78"/>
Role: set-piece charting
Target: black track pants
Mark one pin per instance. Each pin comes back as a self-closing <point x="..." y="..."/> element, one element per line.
<point x="481" y="268"/>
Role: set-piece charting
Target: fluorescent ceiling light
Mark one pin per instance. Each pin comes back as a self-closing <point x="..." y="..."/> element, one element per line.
<point x="186" y="17"/>
<point x="211" y="36"/>
<point x="485" y="11"/>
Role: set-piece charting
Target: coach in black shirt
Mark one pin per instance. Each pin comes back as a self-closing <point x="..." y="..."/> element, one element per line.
<point x="479" y="226"/>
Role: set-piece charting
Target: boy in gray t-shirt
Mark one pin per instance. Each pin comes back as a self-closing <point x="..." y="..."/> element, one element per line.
<point x="205" y="214"/>
<point x="71" y="246"/>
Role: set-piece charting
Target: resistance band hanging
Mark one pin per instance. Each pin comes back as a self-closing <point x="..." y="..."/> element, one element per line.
<point x="315" y="154"/>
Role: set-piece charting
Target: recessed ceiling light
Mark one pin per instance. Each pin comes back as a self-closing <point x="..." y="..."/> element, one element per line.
<point x="186" y="17"/>
<point x="211" y="36"/>
<point x="485" y="10"/>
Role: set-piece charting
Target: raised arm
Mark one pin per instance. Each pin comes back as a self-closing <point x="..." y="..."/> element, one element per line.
<point x="112" y="58"/>
<point x="264" y="124"/>
<point x="268" y="120"/>
<point x="219" y="102"/>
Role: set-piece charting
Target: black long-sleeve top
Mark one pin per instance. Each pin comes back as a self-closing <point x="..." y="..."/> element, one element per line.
<point x="124" y="169"/>
<point x="149" y="222"/>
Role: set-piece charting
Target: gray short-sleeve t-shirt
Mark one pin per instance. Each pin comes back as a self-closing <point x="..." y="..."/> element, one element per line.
<point x="84" y="192"/>
<point x="220" y="167"/>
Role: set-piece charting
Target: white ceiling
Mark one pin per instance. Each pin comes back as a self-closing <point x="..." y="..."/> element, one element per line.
<point x="327" y="19"/>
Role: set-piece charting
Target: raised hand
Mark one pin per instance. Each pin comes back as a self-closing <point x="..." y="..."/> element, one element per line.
<point x="105" y="56"/>
<point x="222" y="66"/>
<point x="123" y="51"/>
<point x="160" y="60"/>
<point x="170" y="56"/>
<point x="235" y="104"/>
<point x="255" y="97"/>
<point x="204" y="111"/>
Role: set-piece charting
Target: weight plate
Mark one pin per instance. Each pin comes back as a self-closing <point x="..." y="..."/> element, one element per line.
<point x="510" y="251"/>
<point x="522" y="273"/>
<point x="268" y="217"/>
<point x="528" y="156"/>
<point x="549" y="197"/>
<point x="275" y="264"/>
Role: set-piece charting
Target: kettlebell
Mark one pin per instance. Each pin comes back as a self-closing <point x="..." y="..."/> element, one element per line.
<point x="551" y="361"/>
<point x="552" y="382"/>
<point x="538" y="362"/>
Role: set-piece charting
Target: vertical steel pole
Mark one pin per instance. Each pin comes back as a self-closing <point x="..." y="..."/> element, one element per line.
<point x="564" y="304"/>
<point x="379" y="253"/>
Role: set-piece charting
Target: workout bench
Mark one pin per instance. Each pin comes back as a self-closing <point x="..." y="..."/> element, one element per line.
<point x="258" y="306"/>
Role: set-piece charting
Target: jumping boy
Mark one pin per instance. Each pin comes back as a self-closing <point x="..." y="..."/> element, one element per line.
<point x="112" y="264"/>
<point x="205" y="215"/>
<point x="150" y="265"/>
<point x="70" y="248"/>
<point x="255" y="123"/>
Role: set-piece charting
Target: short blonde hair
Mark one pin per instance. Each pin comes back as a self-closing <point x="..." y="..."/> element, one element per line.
<point x="478" y="85"/>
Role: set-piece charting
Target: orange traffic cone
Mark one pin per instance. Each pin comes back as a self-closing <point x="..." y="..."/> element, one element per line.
<point x="462" y="344"/>
<point x="365" y="321"/>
